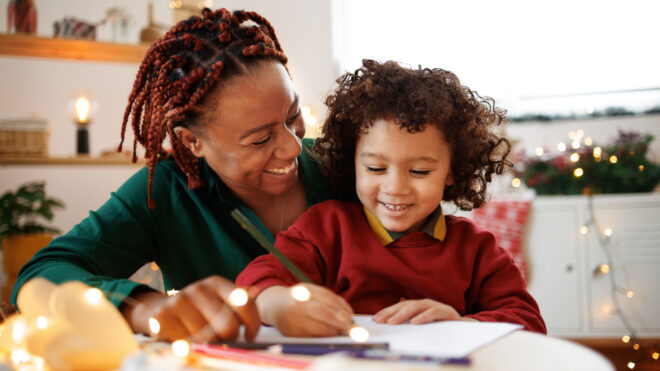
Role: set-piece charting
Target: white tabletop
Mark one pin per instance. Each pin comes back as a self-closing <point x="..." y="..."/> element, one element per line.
<point x="520" y="350"/>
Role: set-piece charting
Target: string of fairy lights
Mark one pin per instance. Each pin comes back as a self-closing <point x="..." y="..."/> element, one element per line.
<point x="644" y="353"/>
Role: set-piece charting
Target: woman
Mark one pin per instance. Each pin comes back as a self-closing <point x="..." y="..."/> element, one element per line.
<point x="218" y="87"/>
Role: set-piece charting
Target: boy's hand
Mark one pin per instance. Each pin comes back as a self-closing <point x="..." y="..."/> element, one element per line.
<point x="324" y="314"/>
<point x="417" y="312"/>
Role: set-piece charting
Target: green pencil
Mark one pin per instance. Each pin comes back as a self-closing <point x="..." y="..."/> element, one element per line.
<point x="266" y="244"/>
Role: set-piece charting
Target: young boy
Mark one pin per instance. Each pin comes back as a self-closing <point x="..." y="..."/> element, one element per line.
<point x="405" y="139"/>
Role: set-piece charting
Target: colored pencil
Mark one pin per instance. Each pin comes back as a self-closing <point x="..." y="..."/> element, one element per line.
<point x="266" y="244"/>
<point x="384" y="355"/>
<point x="288" y="347"/>
<point x="247" y="356"/>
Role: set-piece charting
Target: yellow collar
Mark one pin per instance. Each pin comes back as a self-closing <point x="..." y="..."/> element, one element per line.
<point x="434" y="227"/>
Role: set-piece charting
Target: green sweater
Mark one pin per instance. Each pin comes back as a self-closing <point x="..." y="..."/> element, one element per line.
<point x="190" y="234"/>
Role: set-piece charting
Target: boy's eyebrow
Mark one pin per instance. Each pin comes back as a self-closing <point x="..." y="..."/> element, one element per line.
<point x="378" y="155"/>
<point x="265" y="126"/>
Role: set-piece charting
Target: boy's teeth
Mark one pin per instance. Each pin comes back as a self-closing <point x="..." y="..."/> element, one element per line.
<point x="282" y="170"/>
<point x="394" y="207"/>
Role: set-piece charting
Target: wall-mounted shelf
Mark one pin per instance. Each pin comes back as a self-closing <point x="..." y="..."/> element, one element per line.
<point x="77" y="160"/>
<point x="45" y="47"/>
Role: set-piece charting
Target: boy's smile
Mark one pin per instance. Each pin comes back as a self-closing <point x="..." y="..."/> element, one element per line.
<point x="400" y="177"/>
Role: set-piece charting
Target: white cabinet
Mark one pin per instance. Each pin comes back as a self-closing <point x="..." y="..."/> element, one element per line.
<point x="574" y="300"/>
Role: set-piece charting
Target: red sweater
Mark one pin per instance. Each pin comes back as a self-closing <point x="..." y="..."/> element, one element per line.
<point x="335" y="247"/>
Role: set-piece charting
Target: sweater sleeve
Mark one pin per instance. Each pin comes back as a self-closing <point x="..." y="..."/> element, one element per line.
<point x="498" y="292"/>
<point x="102" y="250"/>
<point x="297" y="244"/>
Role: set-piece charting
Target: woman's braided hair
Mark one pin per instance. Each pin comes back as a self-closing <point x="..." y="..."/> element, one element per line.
<point x="415" y="98"/>
<point x="179" y="70"/>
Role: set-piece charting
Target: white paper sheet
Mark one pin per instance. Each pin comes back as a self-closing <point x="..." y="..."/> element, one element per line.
<point x="441" y="339"/>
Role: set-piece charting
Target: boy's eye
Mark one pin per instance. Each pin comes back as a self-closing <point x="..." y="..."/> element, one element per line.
<point x="373" y="169"/>
<point x="262" y="142"/>
<point x="420" y="172"/>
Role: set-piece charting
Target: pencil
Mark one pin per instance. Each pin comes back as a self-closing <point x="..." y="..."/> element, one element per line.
<point x="324" y="348"/>
<point x="266" y="244"/>
<point x="248" y="356"/>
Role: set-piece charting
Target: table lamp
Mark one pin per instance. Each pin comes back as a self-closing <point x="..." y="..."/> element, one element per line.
<point x="82" y="110"/>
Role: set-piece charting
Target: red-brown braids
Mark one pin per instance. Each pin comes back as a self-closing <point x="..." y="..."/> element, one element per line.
<point x="179" y="70"/>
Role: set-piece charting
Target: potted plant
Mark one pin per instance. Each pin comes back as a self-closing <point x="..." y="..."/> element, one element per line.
<point x="22" y="229"/>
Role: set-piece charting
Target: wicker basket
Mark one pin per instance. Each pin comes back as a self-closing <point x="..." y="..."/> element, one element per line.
<point x="23" y="137"/>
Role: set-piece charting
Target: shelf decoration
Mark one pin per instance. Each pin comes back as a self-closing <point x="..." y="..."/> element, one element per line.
<point x="586" y="168"/>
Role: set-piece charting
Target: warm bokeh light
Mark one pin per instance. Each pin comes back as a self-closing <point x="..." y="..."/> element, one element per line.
<point x="625" y="339"/>
<point x="588" y="141"/>
<point x="630" y="294"/>
<point x="631" y="365"/>
<point x="598" y="151"/>
<point x="574" y="157"/>
<point x="358" y="334"/>
<point x="636" y="346"/>
<point x="575" y="144"/>
<point x="172" y="292"/>
<point x="93" y="296"/>
<point x="607" y="232"/>
<point x="584" y="229"/>
<point x="238" y="297"/>
<point x="300" y="293"/>
<point x="181" y="348"/>
<point x="655" y="355"/>
<point x="604" y="268"/>
<point x="42" y="323"/>
<point x="640" y="168"/>
<point x="539" y="151"/>
<point x="561" y="147"/>
<point x="515" y="182"/>
<point x="578" y="172"/>
<point x="18" y="331"/>
<point x="613" y="159"/>
<point x="154" y="325"/>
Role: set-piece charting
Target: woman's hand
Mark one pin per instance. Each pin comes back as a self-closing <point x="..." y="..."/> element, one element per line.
<point x="324" y="314"/>
<point x="417" y="312"/>
<point x="200" y="312"/>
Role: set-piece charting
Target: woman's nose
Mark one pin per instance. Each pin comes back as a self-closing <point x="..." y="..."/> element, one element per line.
<point x="289" y="144"/>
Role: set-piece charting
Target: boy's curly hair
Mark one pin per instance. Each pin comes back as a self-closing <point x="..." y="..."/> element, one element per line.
<point x="414" y="98"/>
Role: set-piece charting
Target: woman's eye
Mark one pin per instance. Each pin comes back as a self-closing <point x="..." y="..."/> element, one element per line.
<point x="420" y="172"/>
<point x="373" y="169"/>
<point x="262" y="142"/>
<point x="293" y="118"/>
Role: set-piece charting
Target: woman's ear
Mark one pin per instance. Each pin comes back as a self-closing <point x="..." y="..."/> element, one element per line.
<point x="191" y="140"/>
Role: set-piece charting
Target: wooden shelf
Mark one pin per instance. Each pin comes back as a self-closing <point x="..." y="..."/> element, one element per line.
<point x="44" y="47"/>
<point x="77" y="160"/>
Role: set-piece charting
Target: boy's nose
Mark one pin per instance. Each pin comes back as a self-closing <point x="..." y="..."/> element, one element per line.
<point x="397" y="184"/>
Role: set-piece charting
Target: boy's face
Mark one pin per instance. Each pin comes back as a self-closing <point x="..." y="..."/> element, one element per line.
<point x="400" y="177"/>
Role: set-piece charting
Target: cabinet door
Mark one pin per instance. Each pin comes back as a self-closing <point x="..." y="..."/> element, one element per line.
<point x="635" y="249"/>
<point x="552" y="245"/>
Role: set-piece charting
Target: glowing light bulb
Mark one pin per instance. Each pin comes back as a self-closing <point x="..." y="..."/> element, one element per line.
<point x="238" y="297"/>
<point x="42" y="323"/>
<point x="19" y="356"/>
<point x="655" y="355"/>
<point x="515" y="182"/>
<point x="636" y="346"/>
<point x="561" y="147"/>
<point x="630" y="294"/>
<point x="300" y="293"/>
<point x="574" y="157"/>
<point x="613" y="159"/>
<point x="640" y="168"/>
<point x="538" y="151"/>
<point x="631" y="365"/>
<point x="181" y="348"/>
<point x="588" y="141"/>
<point x="81" y="108"/>
<point x="598" y="151"/>
<point x="172" y="292"/>
<point x="358" y="334"/>
<point x="154" y="325"/>
<point x="578" y="172"/>
<point x="93" y="296"/>
<point x="575" y="144"/>
<point x="625" y="339"/>
<point x="607" y="232"/>
<point x="584" y="229"/>
<point x="604" y="268"/>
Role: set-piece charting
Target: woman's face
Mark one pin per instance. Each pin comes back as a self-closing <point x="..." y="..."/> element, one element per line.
<point x="252" y="134"/>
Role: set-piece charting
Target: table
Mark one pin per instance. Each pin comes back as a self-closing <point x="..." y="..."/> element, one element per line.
<point x="520" y="350"/>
